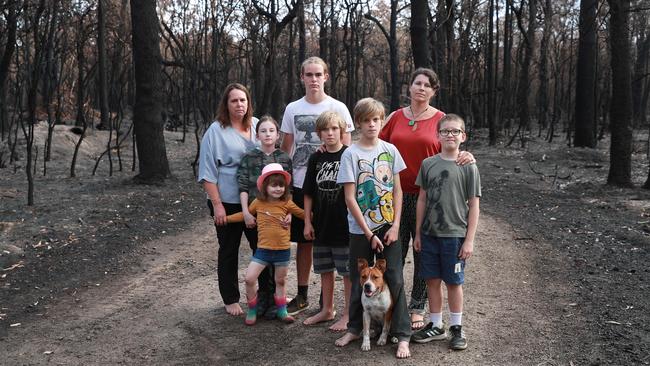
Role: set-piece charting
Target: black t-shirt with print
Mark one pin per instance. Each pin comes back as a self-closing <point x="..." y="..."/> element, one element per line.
<point x="329" y="210"/>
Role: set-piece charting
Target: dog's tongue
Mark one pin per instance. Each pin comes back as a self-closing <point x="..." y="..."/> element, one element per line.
<point x="368" y="293"/>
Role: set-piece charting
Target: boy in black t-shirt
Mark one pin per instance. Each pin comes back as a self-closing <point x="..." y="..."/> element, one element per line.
<point x="326" y="217"/>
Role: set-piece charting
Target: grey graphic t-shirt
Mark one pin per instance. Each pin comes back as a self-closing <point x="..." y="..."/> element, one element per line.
<point x="299" y="119"/>
<point x="448" y="188"/>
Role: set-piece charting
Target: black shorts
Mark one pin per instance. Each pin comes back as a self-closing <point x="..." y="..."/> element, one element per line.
<point x="298" y="225"/>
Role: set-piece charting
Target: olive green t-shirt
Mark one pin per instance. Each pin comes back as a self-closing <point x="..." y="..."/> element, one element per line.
<point x="448" y="188"/>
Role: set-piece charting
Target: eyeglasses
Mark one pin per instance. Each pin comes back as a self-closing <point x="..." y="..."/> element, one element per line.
<point x="450" y="132"/>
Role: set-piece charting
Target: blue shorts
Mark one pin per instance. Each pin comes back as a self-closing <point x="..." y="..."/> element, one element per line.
<point x="439" y="259"/>
<point x="326" y="259"/>
<point x="267" y="257"/>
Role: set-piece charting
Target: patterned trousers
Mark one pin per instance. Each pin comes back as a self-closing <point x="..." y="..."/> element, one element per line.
<point x="406" y="233"/>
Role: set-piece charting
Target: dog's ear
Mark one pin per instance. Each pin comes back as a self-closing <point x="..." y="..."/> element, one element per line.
<point x="381" y="265"/>
<point x="362" y="264"/>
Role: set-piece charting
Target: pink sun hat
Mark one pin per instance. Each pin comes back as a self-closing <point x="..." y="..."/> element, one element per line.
<point x="273" y="168"/>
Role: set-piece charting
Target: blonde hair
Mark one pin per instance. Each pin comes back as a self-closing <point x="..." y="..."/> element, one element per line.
<point x="451" y="118"/>
<point x="368" y="107"/>
<point x="328" y="118"/>
<point x="314" y="60"/>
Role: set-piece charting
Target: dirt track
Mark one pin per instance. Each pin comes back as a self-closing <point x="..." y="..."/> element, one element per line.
<point x="169" y="313"/>
<point x="116" y="273"/>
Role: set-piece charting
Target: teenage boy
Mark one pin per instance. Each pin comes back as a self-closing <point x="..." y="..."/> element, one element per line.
<point x="300" y="141"/>
<point x="325" y="208"/>
<point x="447" y="213"/>
<point x="369" y="173"/>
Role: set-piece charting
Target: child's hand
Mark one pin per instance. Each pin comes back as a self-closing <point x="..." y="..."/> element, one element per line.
<point x="466" y="250"/>
<point x="249" y="220"/>
<point x="417" y="243"/>
<point x="308" y="232"/>
<point x="286" y="223"/>
<point x="376" y="244"/>
<point x="391" y="235"/>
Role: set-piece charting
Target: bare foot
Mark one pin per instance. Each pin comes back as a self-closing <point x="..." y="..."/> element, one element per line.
<point x="346" y="339"/>
<point x="403" y="350"/>
<point x="322" y="316"/>
<point x="234" y="309"/>
<point x="341" y="325"/>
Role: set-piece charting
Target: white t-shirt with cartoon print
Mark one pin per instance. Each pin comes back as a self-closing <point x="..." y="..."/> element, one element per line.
<point x="372" y="171"/>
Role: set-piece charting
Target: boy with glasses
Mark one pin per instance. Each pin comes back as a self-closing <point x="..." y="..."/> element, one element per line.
<point x="447" y="214"/>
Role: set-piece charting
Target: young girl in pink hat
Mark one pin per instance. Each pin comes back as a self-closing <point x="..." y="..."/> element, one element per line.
<point x="273" y="247"/>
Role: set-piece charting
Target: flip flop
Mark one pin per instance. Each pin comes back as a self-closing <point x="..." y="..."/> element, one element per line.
<point x="416" y="327"/>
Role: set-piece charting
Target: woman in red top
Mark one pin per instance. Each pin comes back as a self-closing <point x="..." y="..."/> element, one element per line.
<point x="414" y="131"/>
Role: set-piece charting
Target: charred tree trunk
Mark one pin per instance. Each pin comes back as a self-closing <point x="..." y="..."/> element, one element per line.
<point x="419" y="30"/>
<point x="543" y="92"/>
<point x="147" y="117"/>
<point x="523" y="87"/>
<point x="490" y="74"/>
<point x="641" y="74"/>
<point x="5" y="62"/>
<point x="585" y="108"/>
<point x="391" y="38"/>
<point x="620" y="153"/>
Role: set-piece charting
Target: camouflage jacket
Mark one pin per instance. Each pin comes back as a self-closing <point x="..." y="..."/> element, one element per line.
<point x="250" y="168"/>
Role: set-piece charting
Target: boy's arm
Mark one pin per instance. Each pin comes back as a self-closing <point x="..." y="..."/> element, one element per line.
<point x="420" y="208"/>
<point x="287" y="142"/>
<point x="393" y="233"/>
<point x="346" y="139"/>
<point x="472" y="223"/>
<point x="308" y="232"/>
<point x="350" y="191"/>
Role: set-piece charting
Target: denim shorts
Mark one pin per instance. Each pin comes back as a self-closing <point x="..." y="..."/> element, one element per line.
<point x="277" y="258"/>
<point x="326" y="259"/>
<point x="439" y="259"/>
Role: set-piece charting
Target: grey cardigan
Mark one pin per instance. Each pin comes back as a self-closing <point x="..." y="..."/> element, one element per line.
<point x="221" y="152"/>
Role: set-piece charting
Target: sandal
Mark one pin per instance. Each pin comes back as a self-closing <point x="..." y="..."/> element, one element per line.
<point x="418" y="323"/>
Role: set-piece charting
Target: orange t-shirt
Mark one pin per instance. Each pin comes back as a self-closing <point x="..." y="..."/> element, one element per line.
<point x="270" y="233"/>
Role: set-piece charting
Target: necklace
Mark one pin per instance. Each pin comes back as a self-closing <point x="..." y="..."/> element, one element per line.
<point x="413" y="121"/>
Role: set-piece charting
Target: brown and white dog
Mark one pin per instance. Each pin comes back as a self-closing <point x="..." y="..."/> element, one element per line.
<point x="375" y="299"/>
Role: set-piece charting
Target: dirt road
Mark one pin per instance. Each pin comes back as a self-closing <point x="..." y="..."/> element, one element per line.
<point x="169" y="312"/>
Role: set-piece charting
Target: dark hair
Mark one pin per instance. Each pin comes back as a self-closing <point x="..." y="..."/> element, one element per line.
<point x="267" y="118"/>
<point x="223" y="116"/>
<point x="274" y="180"/>
<point x="430" y="74"/>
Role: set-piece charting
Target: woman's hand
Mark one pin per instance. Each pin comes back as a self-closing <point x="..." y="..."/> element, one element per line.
<point x="219" y="215"/>
<point x="464" y="158"/>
